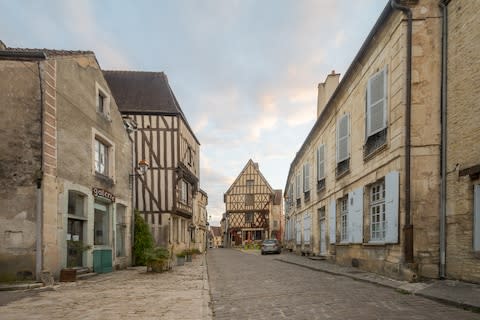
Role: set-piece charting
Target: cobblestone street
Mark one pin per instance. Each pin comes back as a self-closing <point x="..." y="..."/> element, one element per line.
<point x="251" y="286"/>
<point x="127" y="294"/>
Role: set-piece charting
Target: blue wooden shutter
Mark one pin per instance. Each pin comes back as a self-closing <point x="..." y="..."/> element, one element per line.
<point x="331" y="220"/>
<point x="355" y="215"/>
<point x="476" y="218"/>
<point x="377" y="102"/>
<point x="321" y="162"/>
<point x="343" y="152"/>
<point x="392" y="182"/>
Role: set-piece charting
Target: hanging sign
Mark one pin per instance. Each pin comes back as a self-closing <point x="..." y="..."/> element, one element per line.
<point x="103" y="193"/>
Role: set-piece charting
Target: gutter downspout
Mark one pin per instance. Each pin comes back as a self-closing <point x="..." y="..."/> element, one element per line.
<point x="443" y="191"/>
<point x="39" y="195"/>
<point x="408" y="227"/>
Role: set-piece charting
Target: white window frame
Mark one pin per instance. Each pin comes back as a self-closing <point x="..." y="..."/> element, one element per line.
<point x="321" y="162"/>
<point x="100" y="91"/>
<point x="344" y="232"/>
<point x="372" y="104"/>
<point x="344" y="137"/>
<point x="110" y="159"/>
<point x="183" y="192"/>
<point x="377" y="210"/>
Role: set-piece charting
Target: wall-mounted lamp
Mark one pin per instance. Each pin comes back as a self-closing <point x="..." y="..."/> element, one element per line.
<point x="143" y="167"/>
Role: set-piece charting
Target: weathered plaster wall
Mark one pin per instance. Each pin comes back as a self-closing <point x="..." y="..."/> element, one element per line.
<point x="20" y="163"/>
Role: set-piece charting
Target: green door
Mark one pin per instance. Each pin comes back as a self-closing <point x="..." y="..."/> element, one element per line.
<point x="102" y="260"/>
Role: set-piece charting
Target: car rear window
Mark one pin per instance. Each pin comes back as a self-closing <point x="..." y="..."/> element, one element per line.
<point x="270" y="241"/>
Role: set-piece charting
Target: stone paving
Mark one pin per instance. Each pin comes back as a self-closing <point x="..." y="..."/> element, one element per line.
<point x="128" y="294"/>
<point x="246" y="285"/>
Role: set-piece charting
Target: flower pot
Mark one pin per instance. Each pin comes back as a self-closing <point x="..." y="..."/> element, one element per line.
<point x="68" y="275"/>
<point x="180" y="261"/>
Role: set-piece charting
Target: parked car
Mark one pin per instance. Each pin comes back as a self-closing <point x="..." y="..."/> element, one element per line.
<point x="271" y="246"/>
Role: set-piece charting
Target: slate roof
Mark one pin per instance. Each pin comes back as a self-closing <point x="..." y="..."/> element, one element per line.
<point x="144" y="92"/>
<point x="41" y="53"/>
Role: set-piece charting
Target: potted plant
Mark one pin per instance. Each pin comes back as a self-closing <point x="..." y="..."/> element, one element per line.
<point x="156" y="259"/>
<point x="188" y="255"/>
<point x="75" y="251"/>
<point x="180" y="258"/>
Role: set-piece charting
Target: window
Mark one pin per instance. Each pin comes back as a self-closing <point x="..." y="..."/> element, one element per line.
<point x="183" y="230"/>
<point x="249" y="217"/>
<point x="189" y="156"/>
<point x="183" y="192"/>
<point x="101" y="224"/>
<point x="298" y="230"/>
<point x="376" y="110"/>
<point x="344" y="219"/>
<point x="250" y="185"/>
<point x="102" y="101"/>
<point x="320" y="167"/>
<point x="101" y="157"/>
<point x="298" y="189"/>
<point x="120" y="231"/>
<point x="275" y="224"/>
<point x="377" y="212"/>
<point x="343" y="145"/>
<point x="306" y="177"/>
<point x="249" y="199"/>
<point x="307" y="225"/>
<point x="76" y="203"/>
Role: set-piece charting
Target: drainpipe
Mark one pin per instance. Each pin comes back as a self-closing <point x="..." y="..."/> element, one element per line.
<point x="443" y="192"/>
<point x="408" y="227"/>
<point x="39" y="194"/>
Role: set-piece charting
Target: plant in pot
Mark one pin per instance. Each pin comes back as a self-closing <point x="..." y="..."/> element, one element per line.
<point x="180" y="258"/>
<point x="156" y="259"/>
<point x="188" y="255"/>
<point x="75" y="251"/>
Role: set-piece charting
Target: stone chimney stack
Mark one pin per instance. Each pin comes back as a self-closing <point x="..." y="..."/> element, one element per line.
<point x="325" y="90"/>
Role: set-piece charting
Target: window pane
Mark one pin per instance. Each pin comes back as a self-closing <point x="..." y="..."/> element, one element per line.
<point x="101" y="219"/>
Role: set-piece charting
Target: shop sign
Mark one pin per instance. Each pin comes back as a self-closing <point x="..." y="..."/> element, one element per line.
<point x="103" y="193"/>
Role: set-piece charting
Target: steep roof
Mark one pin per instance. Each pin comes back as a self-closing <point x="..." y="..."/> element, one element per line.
<point x="144" y="92"/>
<point x="255" y="166"/>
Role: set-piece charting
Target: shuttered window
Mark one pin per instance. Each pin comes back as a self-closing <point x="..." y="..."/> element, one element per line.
<point x="307" y="226"/>
<point x="343" y="147"/>
<point x="377" y="102"/>
<point x="377" y="212"/>
<point x="476" y="218"/>
<point x="298" y="186"/>
<point x="306" y="177"/>
<point x="332" y="221"/>
<point x="298" y="229"/>
<point x="321" y="162"/>
<point x="392" y="185"/>
<point x="344" y="237"/>
<point x="355" y="216"/>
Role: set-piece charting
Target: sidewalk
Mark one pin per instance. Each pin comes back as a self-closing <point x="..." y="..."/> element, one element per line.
<point x="456" y="293"/>
<point x="182" y="293"/>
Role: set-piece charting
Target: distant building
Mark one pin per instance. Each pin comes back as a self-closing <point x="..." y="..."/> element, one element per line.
<point x="216" y="237"/>
<point x="253" y="208"/>
<point x="66" y="160"/>
<point x="166" y="194"/>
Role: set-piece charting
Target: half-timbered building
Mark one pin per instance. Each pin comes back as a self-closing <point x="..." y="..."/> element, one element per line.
<point x="251" y="209"/>
<point x="163" y="138"/>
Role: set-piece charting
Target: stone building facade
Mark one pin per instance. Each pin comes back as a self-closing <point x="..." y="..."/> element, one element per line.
<point x="364" y="188"/>
<point x="65" y="193"/>
<point x="462" y="133"/>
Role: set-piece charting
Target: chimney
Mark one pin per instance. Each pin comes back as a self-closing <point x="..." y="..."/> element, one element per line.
<point x="325" y="90"/>
<point x="2" y="45"/>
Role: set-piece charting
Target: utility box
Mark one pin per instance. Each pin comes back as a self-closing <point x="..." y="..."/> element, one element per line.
<point x="102" y="260"/>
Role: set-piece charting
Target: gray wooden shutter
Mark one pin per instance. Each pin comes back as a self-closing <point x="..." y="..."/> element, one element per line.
<point x="306" y="177"/>
<point x="392" y="182"/>
<point x="355" y="215"/>
<point x="377" y="103"/>
<point x="321" y="162"/>
<point x="331" y="220"/>
<point x="342" y="139"/>
<point x="476" y="218"/>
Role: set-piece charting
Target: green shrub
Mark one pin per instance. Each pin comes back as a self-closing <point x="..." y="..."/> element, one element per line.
<point x="143" y="240"/>
<point x="156" y="259"/>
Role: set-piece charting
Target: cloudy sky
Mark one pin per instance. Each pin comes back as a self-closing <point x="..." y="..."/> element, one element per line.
<point x="245" y="72"/>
